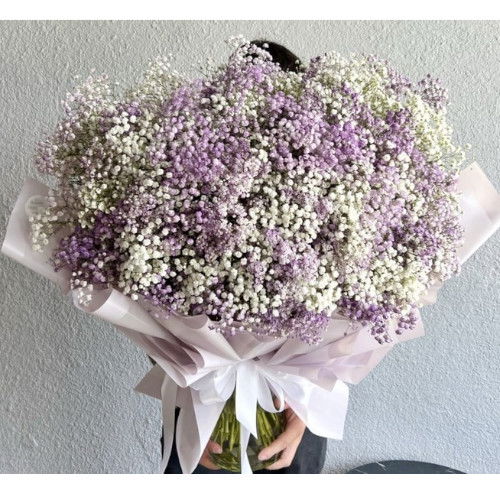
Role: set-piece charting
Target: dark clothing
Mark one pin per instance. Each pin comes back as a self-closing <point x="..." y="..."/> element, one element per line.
<point x="309" y="459"/>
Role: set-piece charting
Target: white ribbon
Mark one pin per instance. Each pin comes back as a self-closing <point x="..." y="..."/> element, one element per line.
<point x="323" y="411"/>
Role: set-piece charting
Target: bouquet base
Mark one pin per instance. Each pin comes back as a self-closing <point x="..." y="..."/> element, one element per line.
<point x="227" y="434"/>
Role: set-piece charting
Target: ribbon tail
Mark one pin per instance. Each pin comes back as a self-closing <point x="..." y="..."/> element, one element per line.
<point x="247" y="390"/>
<point x="246" y="396"/>
<point x="244" y="439"/>
<point x="168" y="399"/>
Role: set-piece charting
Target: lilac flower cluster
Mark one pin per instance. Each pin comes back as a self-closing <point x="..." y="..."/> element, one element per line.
<point x="262" y="198"/>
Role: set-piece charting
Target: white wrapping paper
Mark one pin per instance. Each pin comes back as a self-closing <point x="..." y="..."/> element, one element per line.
<point x="198" y="369"/>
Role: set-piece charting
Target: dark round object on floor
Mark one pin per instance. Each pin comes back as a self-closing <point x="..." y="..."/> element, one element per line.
<point x="403" y="467"/>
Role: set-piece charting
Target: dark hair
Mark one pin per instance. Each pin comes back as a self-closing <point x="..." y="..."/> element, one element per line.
<point x="280" y="54"/>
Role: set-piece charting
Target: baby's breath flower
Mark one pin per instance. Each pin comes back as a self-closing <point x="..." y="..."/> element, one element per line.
<point x="263" y="198"/>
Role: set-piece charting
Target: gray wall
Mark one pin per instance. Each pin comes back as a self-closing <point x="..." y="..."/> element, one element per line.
<point x="66" y="399"/>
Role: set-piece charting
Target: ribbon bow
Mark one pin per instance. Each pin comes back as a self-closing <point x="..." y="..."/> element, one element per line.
<point x="202" y="401"/>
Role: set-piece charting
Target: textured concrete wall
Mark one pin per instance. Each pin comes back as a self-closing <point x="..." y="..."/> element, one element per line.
<point x="66" y="399"/>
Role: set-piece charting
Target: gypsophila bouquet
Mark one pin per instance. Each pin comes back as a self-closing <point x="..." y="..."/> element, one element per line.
<point x="263" y="198"/>
<point x="265" y="233"/>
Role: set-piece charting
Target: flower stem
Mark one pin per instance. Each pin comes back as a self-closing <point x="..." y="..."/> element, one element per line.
<point x="227" y="434"/>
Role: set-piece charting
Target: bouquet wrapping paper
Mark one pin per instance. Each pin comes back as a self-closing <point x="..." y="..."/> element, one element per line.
<point x="198" y="368"/>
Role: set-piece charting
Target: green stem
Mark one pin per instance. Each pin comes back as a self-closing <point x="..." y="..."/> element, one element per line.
<point x="227" y="434"/>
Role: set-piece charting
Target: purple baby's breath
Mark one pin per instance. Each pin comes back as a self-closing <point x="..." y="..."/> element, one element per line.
<point x="259" y="197"/>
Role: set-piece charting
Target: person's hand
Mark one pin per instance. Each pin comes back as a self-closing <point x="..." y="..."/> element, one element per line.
<point x="212" y="447"/>
<point x="287" y="442"/>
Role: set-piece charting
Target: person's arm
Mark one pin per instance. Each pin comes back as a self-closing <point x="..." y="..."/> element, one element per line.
<point x="287" y="442"/>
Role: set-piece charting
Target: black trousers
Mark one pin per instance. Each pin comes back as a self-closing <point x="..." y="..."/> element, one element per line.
<point x="309" y="458"/>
